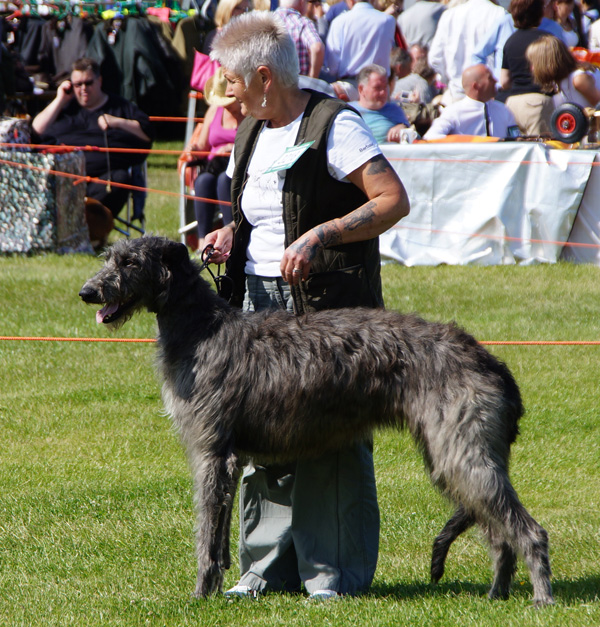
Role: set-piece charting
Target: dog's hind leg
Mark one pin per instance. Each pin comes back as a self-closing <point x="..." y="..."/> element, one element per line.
<point x="505" y="564"/>
<point x="214" y="477"/>
<point x="458" y="524"/>
<point x="513" y="531"/>
<point x="532" y="542"/>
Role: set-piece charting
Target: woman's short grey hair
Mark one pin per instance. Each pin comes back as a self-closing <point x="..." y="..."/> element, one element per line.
<point x="254" y="39"/>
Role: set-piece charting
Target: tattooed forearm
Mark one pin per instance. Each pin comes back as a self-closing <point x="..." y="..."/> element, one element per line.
<point x="363" y="215"/>
<point x="377" y="165"/>
<point x="329" y="234"/>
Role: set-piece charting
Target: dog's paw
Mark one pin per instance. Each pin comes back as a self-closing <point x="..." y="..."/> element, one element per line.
<point x="210" y="581"/>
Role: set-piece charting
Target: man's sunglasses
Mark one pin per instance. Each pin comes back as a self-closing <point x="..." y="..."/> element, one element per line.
<point x="87" y="83"/>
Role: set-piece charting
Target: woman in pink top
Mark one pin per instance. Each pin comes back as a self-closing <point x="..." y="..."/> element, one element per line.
<point x="217" y="136"/>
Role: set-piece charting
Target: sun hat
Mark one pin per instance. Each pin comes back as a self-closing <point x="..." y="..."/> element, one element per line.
<point x="214" y="90"/>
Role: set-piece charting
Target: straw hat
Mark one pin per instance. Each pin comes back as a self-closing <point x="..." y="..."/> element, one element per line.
<point x="214" y="90"/>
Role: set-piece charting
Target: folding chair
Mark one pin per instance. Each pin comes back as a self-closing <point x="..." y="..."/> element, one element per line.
<point x="136" y="202"/>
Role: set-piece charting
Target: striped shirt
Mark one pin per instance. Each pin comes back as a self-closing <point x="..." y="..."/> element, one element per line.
<point x="303" y="32"/>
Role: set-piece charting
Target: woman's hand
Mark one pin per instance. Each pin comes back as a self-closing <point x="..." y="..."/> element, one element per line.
<point x="222" y="242"/>
<point x="296" y="260"/>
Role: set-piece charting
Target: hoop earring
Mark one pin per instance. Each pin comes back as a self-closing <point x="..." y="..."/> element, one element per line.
<point x="264" y="101"/>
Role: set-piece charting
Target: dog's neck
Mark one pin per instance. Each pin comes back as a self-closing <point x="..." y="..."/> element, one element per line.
<point x="191" y="315"/>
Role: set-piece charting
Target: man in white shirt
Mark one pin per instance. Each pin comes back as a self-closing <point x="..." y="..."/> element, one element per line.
<point x="459" y="31"/>
<point x="477" y="113"/>
<point x="359" y="37"/>
<point x="419" y="23"/>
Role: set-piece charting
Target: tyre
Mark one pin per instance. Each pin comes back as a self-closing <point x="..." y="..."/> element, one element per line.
<point x="569" y="123"/>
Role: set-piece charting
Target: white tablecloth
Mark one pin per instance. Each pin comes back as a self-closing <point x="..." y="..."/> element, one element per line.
<point x="484" y="203"/>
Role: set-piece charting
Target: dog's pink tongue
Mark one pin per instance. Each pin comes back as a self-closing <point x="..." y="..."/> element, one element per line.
<point x="106" y="311"/>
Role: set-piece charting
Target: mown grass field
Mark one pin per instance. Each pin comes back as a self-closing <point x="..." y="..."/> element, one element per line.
<point x="96" y="522"/>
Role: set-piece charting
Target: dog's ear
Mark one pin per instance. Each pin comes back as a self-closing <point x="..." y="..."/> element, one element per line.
<point x="175" y="255"/>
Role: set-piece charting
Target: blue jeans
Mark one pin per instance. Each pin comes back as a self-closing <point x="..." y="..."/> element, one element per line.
<point x="313" y="522"/>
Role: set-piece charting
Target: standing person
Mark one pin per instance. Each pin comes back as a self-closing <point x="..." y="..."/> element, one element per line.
<point x="458" y="34"/>
<point x="419" y="22"/>
<point x="310" y="48"/>
<point x="563" y="16"/>
<point x="304" y="236"/>
<point x="358" y="37"/>
<point x="82" y="114"/>
<point x="531" y="106"/>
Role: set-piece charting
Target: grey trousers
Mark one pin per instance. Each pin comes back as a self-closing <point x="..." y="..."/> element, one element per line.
<point x="313" y="522"/>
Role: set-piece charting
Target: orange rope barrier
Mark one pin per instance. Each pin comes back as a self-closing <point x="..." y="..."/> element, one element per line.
<point x="150" y="341"/>
<point x="78" y="178"/>
<point x="54" y="148"/>
<point x="76" y="339"/>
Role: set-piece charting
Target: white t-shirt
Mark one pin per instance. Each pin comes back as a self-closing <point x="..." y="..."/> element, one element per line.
<point x="350" y="144"/>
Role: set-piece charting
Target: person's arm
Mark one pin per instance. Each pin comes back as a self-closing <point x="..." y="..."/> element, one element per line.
<point x="440" y="127"/>
<point x="316" y="54"/>
<point x="586" y="86"/>
<point x="505" y="79"/>
<point x="387" y="203"/>
<point x="106" y="121"/>
<point x="202" y="143"/>
<point x="332" y="50"/>
<point x="436" y="56"/>
<point x="45" y="118"/>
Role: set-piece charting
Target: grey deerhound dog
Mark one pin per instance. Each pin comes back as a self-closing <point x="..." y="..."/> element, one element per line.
<point x="273" y="387"/>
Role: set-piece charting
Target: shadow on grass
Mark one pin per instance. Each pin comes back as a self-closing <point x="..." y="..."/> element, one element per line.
<point x="584" y="589"/>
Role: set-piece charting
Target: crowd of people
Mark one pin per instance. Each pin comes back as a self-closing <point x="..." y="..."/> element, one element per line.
<point x="461" y="67"/>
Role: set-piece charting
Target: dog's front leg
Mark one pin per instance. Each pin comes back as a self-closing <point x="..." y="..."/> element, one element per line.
<point x="234" y="469"/>
<point x="214" y="476"/>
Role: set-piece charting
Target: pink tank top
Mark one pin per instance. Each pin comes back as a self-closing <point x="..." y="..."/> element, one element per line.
<point x="217" y="135"/>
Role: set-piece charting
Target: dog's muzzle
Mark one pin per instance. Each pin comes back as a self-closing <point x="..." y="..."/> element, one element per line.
<point x="90" y="296"/>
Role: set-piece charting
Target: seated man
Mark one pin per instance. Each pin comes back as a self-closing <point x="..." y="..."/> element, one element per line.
<point x="385" y="119"/>
<point x="477" y="113"/>
<point x="82" y="114"/>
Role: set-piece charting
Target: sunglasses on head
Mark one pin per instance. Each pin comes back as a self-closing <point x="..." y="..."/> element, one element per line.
<point x="86" y="83"/>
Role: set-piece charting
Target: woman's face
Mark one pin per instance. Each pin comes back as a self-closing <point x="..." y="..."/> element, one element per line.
<point x="250" y="98"/>
<point x="562" y="10"/>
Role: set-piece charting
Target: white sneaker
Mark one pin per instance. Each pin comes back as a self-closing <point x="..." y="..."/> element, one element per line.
<point x="241" y="592"/>
<point x="323" y="595"/>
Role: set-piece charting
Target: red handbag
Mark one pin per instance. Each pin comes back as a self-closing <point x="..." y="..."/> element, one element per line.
<point x="203" y="69"/>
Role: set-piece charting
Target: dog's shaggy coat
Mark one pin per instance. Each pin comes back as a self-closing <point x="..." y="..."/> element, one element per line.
<point x="273" y="387"/>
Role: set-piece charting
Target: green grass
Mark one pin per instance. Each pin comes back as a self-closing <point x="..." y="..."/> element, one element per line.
<point x="96" y="520"/>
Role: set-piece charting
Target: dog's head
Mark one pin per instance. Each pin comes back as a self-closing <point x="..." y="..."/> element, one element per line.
<point x="137" y="274"/>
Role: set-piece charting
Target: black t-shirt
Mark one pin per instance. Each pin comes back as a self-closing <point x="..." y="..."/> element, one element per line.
<point x="515" y="61"/>
<point x="77" y="126"/>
